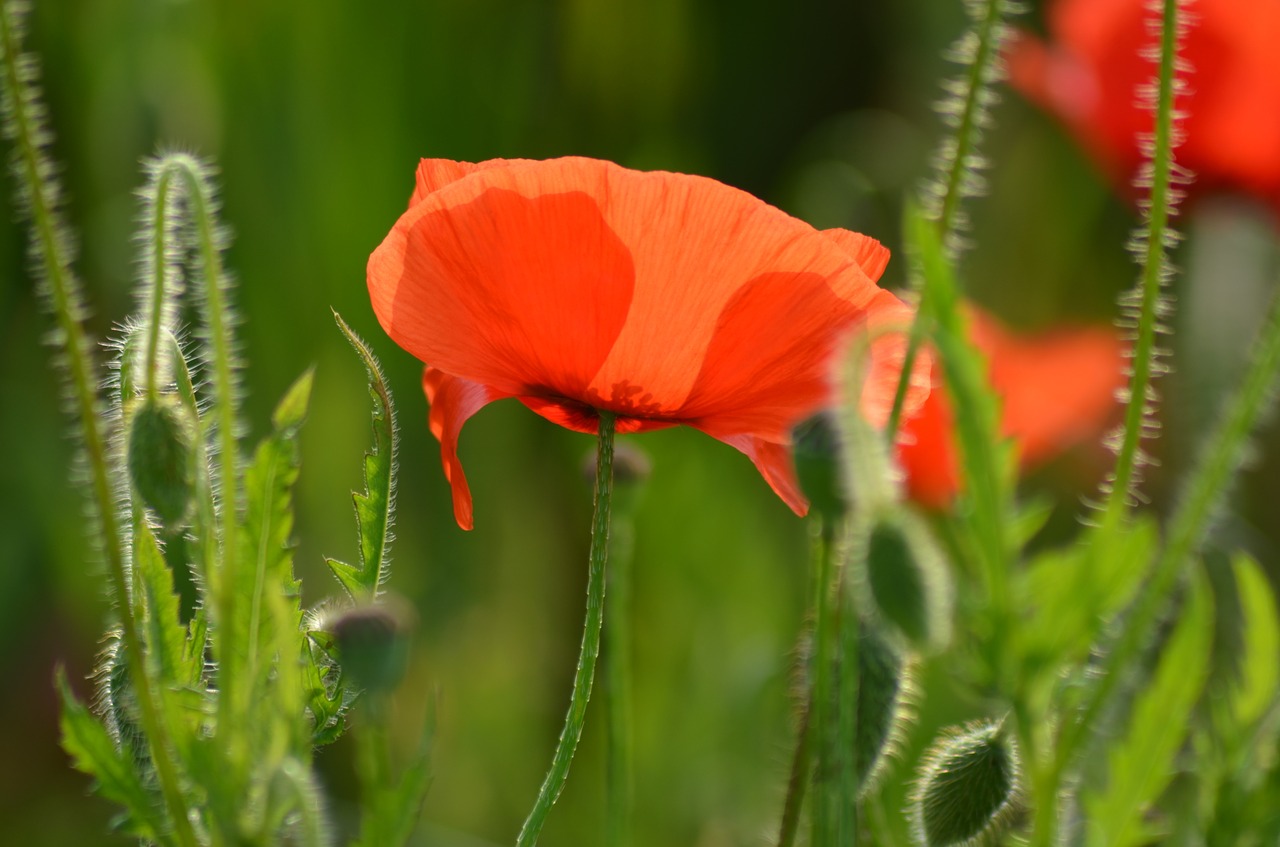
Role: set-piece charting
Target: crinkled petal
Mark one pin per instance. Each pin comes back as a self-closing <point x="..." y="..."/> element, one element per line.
<point x="453" y="401"/>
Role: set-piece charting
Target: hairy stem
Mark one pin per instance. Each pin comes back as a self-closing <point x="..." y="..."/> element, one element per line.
<point x="23" y="125"/>
<point x="583" y="678"/>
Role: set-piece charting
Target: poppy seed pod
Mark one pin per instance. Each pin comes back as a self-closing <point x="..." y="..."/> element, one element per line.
<point x="161" y="457"/>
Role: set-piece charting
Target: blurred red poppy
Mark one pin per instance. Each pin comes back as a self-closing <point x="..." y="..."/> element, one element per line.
<point x="1090" y="74"/>
<point x="1055" y="390"/>
<point x="576" y="285"/>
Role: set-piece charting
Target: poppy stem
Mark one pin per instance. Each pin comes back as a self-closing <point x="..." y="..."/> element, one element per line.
<point x="585" y="675"/>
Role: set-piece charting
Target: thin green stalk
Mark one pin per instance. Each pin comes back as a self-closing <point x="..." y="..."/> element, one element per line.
<point x="834" y="806"/>
<point x="1205" y="490"/>
<point x="1155" y="269"/>
<point x="160" y="281"/>
<point x="958" y="161"/>
<point x="583" y="678"/>
<point x="802" y="759"/>
<point x="23" y="125"/>
<point x="620" y="753"/>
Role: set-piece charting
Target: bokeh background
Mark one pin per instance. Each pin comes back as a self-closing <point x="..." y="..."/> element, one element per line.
<point x="316" y="113"/>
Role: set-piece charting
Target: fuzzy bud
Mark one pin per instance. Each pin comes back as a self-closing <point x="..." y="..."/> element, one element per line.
<point x="968" y="788"/>
<point x="909" y="581"/>
<point x="161" y="457"/>
<point x="373" y="644"/>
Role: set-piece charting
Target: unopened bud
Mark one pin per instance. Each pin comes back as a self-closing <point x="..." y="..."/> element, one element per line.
<point x="161" y="456"/>
<point x="373" y="644"/>
<point x="909" y="581"/>
<point x="817" y="458"/>
<point x="968" y="788"/>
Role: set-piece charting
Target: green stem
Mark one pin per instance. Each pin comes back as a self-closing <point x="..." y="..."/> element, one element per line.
<point x="1154" y="270"/>
<point x="959" y="166"/>
<point x="157" y="274"/>
<point x="1186" y="530"/>
<point x="64" y="296"/>
<point x="582" y="680"/>
<point x="801" y="761"/>
<point x="620" y="754"/>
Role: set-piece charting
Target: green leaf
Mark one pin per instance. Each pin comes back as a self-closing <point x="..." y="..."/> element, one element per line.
<point x="268" y="626"/>
<point x="986" y="457"/>
<point x="93" y="751"/>
<point x="1069" y="594"/>
<point x="172" y="661"/>
<point x="1256" y="691"/>
<point x="1141" y="764"/>
<point x="375" y="506"/>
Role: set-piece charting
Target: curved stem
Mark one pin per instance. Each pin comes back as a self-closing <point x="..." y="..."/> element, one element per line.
<point x="583" y="678"/>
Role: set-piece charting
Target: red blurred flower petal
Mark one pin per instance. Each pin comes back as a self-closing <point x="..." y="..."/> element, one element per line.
<point x="577" y="285"/>
<point x="1055" y="389"/>
<point x="1090" y="74"/>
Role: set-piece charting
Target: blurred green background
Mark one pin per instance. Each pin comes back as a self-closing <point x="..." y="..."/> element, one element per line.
<point x="316" y="114"/>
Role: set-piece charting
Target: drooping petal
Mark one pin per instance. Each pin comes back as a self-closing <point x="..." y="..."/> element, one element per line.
<point x="776" y="465"/>
<point x="453" y="401"/>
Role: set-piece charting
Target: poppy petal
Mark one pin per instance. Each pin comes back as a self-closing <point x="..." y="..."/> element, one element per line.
<point x="508" y="276"/>
<point x="453" y="401"/>
<point x="685" y="284"/>
<point x="434" y="174"/>
<point x="775" y="464"/>
<point x="871" y="255"/>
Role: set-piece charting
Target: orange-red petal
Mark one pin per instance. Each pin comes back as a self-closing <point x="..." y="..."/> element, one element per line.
<point x="1055" y="389"/>
<point x="453" y="401"/>
<point x="776" y="465"/>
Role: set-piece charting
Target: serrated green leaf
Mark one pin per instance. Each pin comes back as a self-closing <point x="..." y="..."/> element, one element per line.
<point x="1141" y="764"/>
<point x="1260" y="664"/>
<point x="172" y="662"/>
<point x="93" y="751"/>
<point x="375" y="506"/>
<point x="267" y="630"/>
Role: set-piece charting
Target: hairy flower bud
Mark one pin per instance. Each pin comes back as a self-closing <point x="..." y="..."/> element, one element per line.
<point x="161" y="456"/>
<point x="968" y="788"/>
<point x="373" y="644"/>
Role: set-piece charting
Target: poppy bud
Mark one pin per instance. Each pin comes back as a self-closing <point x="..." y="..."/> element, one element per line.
<point x="968" y="788"/>
<point x="909" y="581"/>
<point x="817" y="457"/>
<point x="884" y="683"/>
<point x="373" y="644"/>
<point x="160" y="457"/>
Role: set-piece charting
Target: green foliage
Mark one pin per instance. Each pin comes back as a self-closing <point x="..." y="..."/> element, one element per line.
<point x="375" y="506"/>
<point x="1141" y="764"/>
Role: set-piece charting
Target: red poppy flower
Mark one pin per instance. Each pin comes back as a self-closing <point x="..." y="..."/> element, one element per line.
<point x="1055" y="389"/>
<point x="1090" y="74"/>
<point x="576" y="285"/>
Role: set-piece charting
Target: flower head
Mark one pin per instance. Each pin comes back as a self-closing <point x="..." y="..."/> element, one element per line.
<point x="1055" y="390"/>
<point x="1099" y="58"/>
<point x="576" y="286"/>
